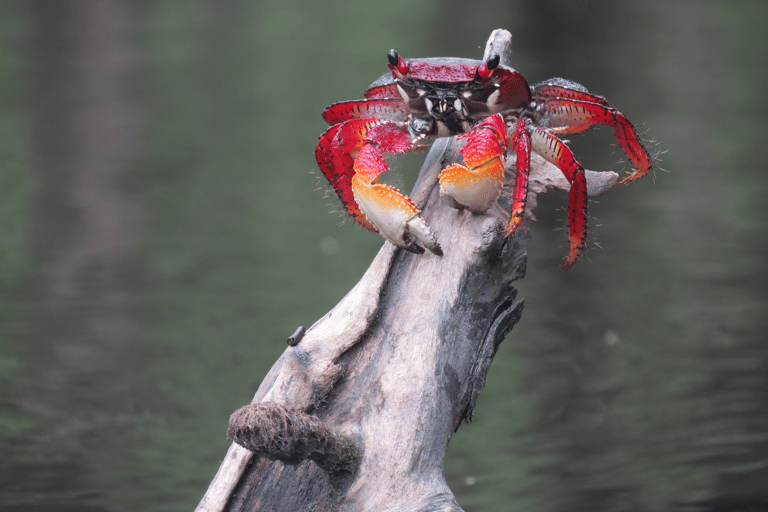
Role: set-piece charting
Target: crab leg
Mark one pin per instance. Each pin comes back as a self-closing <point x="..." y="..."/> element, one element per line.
<point x="556" y="152"/>
<point x="521" y="144"/>
<point x="569" y="91"/>
<point x="335" y="155"/>
<point x="477" y="185"/>
<point x="388" y="109"/>
<point x="567" y="115"/>
<point x="383" y="91"/>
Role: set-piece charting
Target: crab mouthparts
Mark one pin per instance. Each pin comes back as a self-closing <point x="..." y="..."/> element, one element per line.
<point x="448" y="108"/>
<point x="443" y="103"/>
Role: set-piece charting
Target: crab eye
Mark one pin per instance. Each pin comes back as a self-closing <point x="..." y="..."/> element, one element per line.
<point x="485" y="70"/>
<point x="393" y="57"/>
<point x="396" y="62"/>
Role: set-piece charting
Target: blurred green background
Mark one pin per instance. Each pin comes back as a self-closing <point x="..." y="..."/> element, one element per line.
<point x="164" y="228"/>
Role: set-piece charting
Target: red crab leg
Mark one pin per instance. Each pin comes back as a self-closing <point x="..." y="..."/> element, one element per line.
<point x="521" y="143"/>
<point x="555" y="151"/>
<point x="383" y="91"/>
<point x="544" y="92"/>
<point x="570" y="116"/>
<point x="335" y="155"/>
<point x="385" y="109"/>
<point x="477" y="185"/>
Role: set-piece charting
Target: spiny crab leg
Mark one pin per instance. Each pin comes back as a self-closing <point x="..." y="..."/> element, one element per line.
<point x="335" y="155"/>
<point x="390" y="109"/>
<point x="521" y="144"/>
<point x="556" y="152"/>
<point x="566" y="115"/>
<point x="527" y="138"/>
<point x="477" y="185"/>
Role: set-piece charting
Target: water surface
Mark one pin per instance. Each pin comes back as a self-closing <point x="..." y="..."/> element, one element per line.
<point x="164" y="228"/>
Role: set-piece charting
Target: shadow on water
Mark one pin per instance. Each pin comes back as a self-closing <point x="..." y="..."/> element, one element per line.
<point x="162" y="236"/>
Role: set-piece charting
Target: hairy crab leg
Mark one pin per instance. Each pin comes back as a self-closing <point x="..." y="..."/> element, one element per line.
<point x="573" y="91"/>
<point x="387" y="109"/>
<point x="556" y="152"/>
<point x="570" y="116"/>
<point x="383" y="91"/>
<point x="477" y="185"/>
<point x="335" y="156"/>
<point x="521" y="144"/>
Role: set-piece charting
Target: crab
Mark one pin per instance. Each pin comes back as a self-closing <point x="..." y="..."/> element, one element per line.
<point x="491" y="106"/>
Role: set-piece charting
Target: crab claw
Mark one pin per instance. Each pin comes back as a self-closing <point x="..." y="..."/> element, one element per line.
<point x="394" y="215"/>
<point x="477" y="185"/>
<point x="391" y="212"/>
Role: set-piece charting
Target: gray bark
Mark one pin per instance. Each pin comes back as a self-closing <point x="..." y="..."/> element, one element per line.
<point x="357" y="415"/>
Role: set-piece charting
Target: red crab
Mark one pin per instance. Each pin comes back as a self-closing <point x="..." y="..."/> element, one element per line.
<point x="489" y="104"/>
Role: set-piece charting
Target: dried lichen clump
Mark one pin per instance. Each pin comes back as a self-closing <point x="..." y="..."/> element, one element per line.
<point x="276" y="432"/>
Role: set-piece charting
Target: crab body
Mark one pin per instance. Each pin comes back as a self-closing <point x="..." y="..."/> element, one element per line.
<point x="500" y="115"/>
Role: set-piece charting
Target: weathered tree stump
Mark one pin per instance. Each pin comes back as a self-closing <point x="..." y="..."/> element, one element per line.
<point x="357" y="414"/>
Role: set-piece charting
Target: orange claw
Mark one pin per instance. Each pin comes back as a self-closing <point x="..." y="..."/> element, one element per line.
<point x="477" y="185"/>
<point x="350" y="155"/>
<point x="392" y="213"/>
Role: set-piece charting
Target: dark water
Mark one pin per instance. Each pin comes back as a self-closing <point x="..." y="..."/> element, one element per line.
<point x="162" y="232"/>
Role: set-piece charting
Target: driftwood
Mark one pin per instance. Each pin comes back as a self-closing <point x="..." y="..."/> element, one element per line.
<point x="357" y="413"/>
